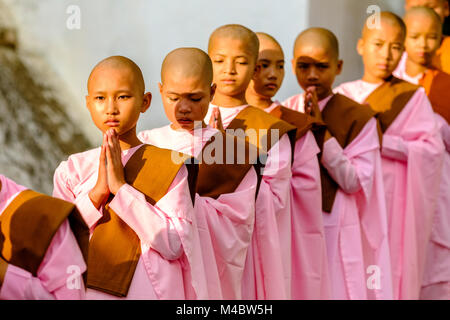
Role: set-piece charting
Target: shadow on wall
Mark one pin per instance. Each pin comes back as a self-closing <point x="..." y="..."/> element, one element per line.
<point x="36" y="134"/>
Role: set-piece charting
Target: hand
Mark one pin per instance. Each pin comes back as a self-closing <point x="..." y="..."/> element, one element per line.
<point x="114" y="167"/>
<point x="216" y="119"/>
<point x="100" y="193"/>
<point x="312" y="103"/>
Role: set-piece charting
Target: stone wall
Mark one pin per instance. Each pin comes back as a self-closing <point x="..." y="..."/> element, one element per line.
<point x="36" y="133"/>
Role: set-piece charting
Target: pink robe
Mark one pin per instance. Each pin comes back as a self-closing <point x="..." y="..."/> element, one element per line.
<point x="310" y="278"/>
<point x="60" y="274"/>
<point x="267" y="271"/>
<point x="436" y="281"/>
<point x="225" y="224"/>
<point x="170" y="266"/>
<point x="412" y="154"/>
<point x="356" y="228"/>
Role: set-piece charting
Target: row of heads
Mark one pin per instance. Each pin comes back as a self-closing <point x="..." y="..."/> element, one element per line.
<point x="240" y="62"/>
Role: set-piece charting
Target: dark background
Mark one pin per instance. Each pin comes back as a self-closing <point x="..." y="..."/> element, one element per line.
<point x="447" y="25"/>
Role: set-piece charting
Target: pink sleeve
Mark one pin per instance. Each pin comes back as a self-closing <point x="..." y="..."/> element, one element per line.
<point x="62" y="189"/>
<point x="154" y="225"/>
<point x="394" y="147"/>
<point x="277" y="172"/>
<point x="398" y="147"/>
<point x="59" y="276"/>
<point x="349" y="170"/>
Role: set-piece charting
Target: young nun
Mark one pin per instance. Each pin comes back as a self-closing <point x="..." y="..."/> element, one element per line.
<point x="422" y="40"/>
<point x="310" y="279"/>
<point x="43" y="246"/>
<point x="441" y="59"/>
<point x="412" y="150"/>
<point x="353" y="202"/>
<point x="234" y="51"/>
<point x="226" y="190"/>
<point x="135" y="198"/>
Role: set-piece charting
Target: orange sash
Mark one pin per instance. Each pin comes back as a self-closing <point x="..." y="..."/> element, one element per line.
<point x="28" y="225"/>
<point x="437" y="87"/>
<point x="389" y="99"/>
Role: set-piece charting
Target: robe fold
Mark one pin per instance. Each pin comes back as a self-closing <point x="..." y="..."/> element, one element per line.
<point x="310" y="279"/>
<point x="267" y="271"/>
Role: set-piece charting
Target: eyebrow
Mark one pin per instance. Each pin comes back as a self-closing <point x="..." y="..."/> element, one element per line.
<point x="190" y="93"/>
<point x="224" y="55"/>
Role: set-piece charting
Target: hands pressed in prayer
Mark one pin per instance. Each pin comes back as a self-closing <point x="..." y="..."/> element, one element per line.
<point x="100" y="193"/>
<point x="114" y="166"/>
<point x="216" y="119"/>
<point x="110" y="172"/>
<point x="312" y="103"/>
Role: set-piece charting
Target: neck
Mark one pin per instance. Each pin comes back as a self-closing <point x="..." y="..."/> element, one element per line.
<point x="129" y="140"/>
<point x="225" y="101"/>
<point x="413" y="69"/>
<point x="258" y="100"/>
<point x="371" y="79"/>
<point x="325" y="94"/>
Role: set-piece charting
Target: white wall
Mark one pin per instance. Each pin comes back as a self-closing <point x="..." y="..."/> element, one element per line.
<point x="145" y="31"/>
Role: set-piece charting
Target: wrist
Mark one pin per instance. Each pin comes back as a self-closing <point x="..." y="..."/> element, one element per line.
<point x="115" y="188"/>
<point x="97" y="198"/>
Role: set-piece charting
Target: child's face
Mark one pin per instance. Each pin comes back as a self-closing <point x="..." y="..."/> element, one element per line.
<point x="381" y="50"/>
<point x="315" y="66"/>
<point x="439" y="6"/>
<point x="114" y="100"/>
<point x="186" y="100"/>
<point x="422" y="39"/>
<point x="270" y="72"/>
<point x="233" y="65"/>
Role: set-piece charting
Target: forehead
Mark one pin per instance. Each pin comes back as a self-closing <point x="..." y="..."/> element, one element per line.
<point x="181" y="84"/>
<point x="230" y="46"/>
<point x="308" y="51"/>
<point x="387" y="32"/>
<point x="271" y="54"/>
<point x="107" y="77"/>
<point x="425" y="3"/>
<point x="421" y="22"/>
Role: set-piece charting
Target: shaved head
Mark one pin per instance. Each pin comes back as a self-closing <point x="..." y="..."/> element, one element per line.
<point x="188" y="63"/>
<point x="387" y="18"/>
<point x="425" y="12"/>
<point x="236" y="31"/>
<point x="266" y="41"/>
<point x="441" y="7"/>
<point x="318" y="37"/>
<point x="119" y="62"/>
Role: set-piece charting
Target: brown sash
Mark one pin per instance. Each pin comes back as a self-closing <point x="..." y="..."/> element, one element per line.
<point x="114" y="249"/>
<point x="437" y="87"/>
<point x="345" y="119"/>
<point x="254" y="118"/>
<point x="301" y="121"/>
<point x="221" y="177"/>
<point x="28" y="225"/>
<point x="389" y="99"/>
